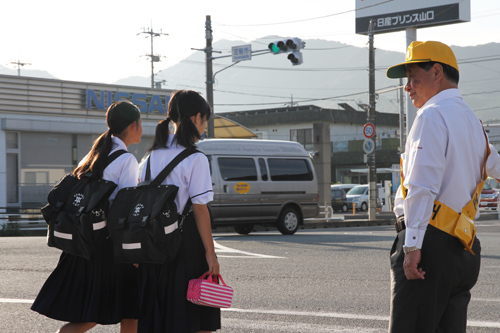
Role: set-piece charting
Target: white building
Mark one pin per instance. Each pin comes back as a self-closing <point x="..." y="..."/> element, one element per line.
<point x="346" y="134"/>
<point x="47" y="126"/>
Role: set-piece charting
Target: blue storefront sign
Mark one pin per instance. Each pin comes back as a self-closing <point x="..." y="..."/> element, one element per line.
<point x="101" y="100"/>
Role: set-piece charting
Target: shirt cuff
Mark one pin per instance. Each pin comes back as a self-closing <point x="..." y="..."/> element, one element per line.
<point x="203" y="198"/>
<point x="414" y="237"/>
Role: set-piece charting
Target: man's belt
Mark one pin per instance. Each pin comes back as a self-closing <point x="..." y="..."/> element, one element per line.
<point x="400" y="224"/>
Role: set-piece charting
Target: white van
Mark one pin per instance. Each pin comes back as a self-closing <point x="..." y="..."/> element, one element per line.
<point x="263" y="182"/>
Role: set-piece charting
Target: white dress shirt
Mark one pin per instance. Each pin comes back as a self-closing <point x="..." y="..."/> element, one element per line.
<point x="191" y="175"/>
<point x="443" y="160"/>
<point x="123" y="171"/>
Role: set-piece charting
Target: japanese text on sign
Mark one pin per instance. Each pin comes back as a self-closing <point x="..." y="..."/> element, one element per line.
<point x="241" y="53"/>
<point x="405" y="19"/>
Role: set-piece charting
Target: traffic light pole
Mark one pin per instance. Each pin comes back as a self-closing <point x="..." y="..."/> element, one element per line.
<point x="210" y="79"/>
<point x="372" y="166"/>
<point x="210" y="76"/>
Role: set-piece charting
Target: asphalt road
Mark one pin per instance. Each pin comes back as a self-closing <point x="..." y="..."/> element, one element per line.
<point x="322" y="280"/>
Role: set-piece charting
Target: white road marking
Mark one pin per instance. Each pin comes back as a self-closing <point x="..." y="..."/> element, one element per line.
<point x="16" y="300"/>
<point x="280" y="326"/>
<point x="470" y="323"/>
<point x="224" y="249"/>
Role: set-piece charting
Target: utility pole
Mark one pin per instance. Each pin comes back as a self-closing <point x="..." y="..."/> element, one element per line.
<point x="154" y="58"/>
<point x="372" y="166"/>
<point x="209" y="82"/>
<point x="19" y="65"/>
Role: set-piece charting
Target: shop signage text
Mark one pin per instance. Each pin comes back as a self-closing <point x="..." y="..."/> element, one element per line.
<point x="103" y="99"/>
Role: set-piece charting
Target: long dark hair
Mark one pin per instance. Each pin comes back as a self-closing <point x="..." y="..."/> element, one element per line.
<point x="118" y="117"/>
<point x="183" y="105"/>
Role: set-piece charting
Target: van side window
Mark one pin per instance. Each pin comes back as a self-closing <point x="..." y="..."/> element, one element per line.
<point x="284" y="169"/>
<point x="263" y="169"/>
<point x="237" y="168"/>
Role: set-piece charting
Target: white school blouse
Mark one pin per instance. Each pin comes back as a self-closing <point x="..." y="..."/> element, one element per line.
<point x="123" y="171"/>
<point x="191" y="176"/>
<point x="443" y="159"/>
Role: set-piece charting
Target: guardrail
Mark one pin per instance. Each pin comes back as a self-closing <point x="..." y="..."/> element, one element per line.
<point x="27" y="218"/>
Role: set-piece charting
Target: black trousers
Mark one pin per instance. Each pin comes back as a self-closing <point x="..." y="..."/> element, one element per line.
<point x="438" y="303"/>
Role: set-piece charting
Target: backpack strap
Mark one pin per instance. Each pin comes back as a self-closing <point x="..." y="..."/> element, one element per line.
<point x="109" y="160"/>
<point x="114" y="156"/>
<point x="166" y="171"/>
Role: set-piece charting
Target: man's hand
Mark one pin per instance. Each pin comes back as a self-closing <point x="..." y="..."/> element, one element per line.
<point x="412" y="272"/>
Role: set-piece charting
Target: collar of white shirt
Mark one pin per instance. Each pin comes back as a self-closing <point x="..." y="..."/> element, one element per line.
<point x="118" y="144"/>
<point x="442" y="95"/>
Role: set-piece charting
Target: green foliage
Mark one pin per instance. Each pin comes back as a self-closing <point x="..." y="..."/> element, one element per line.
<point x="11" y="229"/>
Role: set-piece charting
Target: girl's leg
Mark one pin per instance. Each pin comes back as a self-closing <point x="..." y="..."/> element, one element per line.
<point x="76" y="327"/>
<point x="128" y="326"/>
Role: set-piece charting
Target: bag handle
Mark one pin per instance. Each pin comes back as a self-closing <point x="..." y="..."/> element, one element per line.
<point x="209" y="278"/>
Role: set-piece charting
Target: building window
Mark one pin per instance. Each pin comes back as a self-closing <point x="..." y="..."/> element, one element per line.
<point x="302" y="136"/>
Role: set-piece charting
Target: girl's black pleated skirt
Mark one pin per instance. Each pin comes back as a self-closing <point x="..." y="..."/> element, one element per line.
<point x="164" y="307"/>
<point x="90" y="290"/>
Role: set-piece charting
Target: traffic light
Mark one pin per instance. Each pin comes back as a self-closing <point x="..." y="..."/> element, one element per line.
<point x="295" y="58"/>
<point x="286" y="45"/>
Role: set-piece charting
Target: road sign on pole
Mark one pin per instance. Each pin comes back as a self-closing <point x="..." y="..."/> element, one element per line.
<point x="368" y="146"/>
<point x="241" y="53"/>
<point x="369" y="130"/>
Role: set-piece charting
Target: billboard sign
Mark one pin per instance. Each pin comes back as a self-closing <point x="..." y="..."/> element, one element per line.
<point x="394" y="15"/>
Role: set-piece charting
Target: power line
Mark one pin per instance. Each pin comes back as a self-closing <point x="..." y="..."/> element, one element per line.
<point x="304" y="20"/>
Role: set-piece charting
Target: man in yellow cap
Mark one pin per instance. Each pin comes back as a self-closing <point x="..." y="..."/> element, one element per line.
<point x="435" y="258"/>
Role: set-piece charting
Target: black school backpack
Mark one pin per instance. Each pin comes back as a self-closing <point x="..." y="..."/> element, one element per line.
<point x="143" y="220"/>
<point x="76" y="212"/>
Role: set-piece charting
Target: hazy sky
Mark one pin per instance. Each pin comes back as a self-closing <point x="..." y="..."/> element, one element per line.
<point x="97" y="41"/>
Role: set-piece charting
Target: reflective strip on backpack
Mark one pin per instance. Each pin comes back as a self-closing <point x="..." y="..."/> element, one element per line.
<point x="131" y="246"/>
<point x="99" y="225"/>
<point x="171" y="228"/>
<point x="63" y="235"/>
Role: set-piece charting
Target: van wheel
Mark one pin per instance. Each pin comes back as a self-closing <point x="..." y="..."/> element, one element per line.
<point x="288" y="222"/>
<point x="364" y="207"/>
<point x="345" y="208"/>
<point x="244" y="229"/>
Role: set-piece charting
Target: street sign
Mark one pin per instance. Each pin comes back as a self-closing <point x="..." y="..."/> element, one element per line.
<point x="242" y="53"/>
<point x="368" y="130"/>
<point x="368" y="146"/>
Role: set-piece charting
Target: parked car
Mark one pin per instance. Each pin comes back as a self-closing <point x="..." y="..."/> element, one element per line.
<point x="339" y="200"/>
<point x="495" y="185"/>
<point x="359" y="196"/>
<point x="489" y="198"/>
<point x="345" y="187"/>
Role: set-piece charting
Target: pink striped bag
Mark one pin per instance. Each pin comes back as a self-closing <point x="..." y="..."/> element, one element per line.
<point x="209" y="293"/>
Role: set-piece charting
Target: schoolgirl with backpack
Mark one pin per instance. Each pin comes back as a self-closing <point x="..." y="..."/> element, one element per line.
<point x="88" y="287"/>
<point x="164" y="307"/>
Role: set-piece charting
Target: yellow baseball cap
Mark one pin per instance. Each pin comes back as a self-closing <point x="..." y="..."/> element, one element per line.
<point x="424" y="52"/>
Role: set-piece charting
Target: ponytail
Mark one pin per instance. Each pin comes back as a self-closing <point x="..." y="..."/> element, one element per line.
<point x="182" y="106"/>
<point x="161" y="135"/>
<point x="187" y="133"/>
<point x="118" y="117"/>
<point x="96" y="159"/>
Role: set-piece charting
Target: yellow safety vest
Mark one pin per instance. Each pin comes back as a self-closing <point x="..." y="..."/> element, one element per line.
<point x="460" y="225"/>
